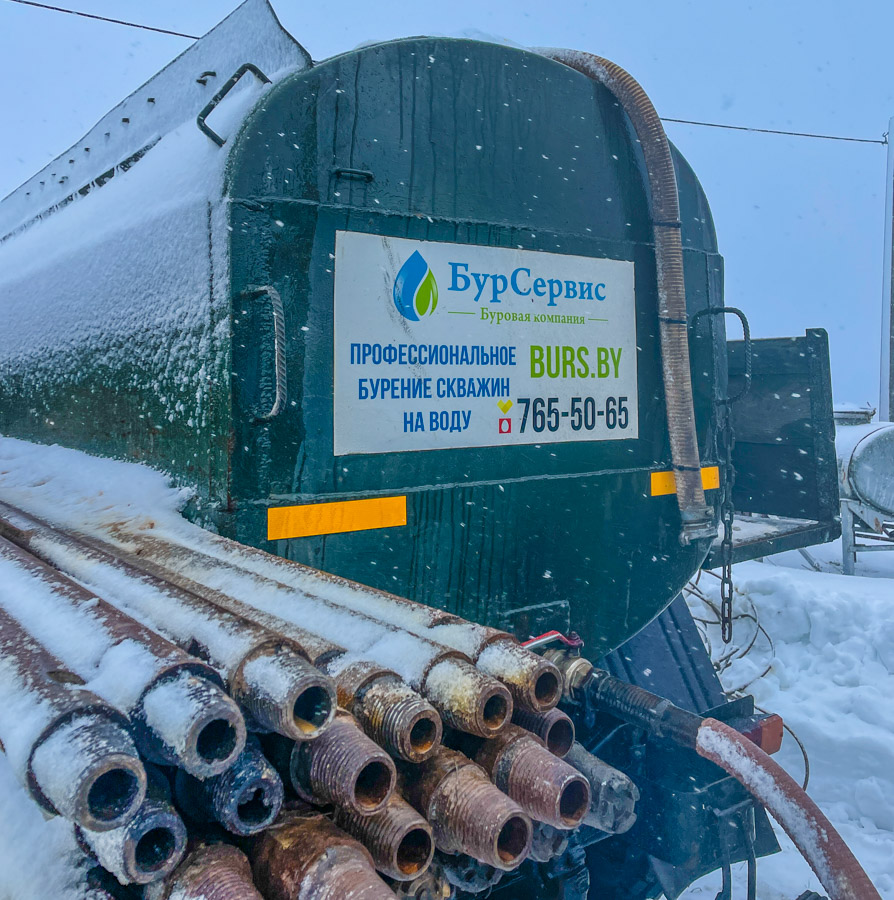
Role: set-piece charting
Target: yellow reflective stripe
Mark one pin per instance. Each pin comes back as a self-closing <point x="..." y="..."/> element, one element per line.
<point x="663" y="482"/>
<point x="334" y="518"/>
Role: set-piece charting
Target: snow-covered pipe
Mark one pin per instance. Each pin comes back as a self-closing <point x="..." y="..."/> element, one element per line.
<point x="533" y="681"/>
<point x="267" y="674"/>
<point x="180" y="713"/>
<point x="465" y="696"/>
<point x="149" y="847"/>
<point x="802" y="820"/>
<point x="70" y="749"/>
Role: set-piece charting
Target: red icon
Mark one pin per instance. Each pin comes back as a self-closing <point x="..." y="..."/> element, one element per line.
<point x="505" y="426"/>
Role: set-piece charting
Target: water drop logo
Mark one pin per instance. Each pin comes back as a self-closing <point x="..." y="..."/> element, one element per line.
<point x="415" y="289"/>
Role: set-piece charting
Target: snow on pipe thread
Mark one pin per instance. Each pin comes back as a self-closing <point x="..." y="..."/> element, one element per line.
<point x="266" y="673"/>
<point x="533" y="681"/>
<point x="391" y="712"/>
<point x="80" y="760"/>
<point x="181" y="714"/>
<point x="466" y="696"/>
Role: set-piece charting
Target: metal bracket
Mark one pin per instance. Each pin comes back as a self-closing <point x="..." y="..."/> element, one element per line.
<point x="746" y="334"/>
<point x="225" y="89"/>
<point x="279" y="340"/>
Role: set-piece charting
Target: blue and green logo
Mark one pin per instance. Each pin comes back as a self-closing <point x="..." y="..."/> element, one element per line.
<point x="415" y="289"/>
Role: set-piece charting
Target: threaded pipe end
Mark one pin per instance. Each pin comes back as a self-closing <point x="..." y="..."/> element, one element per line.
<point x="343" y="766"/>
<point x="210" y="872"/>
<point x="554" y="728"/>
<point x="399" y="719"/>
<point x="399" y="839"/>
<point x="467" y="698"/>
<point x="534" y="682"/>
<point x="284" y="693"/>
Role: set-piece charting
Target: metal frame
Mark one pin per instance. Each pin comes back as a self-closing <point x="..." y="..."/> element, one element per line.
<point x="859" y="521"/>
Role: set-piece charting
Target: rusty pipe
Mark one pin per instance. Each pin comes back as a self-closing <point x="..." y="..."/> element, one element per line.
<point x="533" y="681"/>
<point x="245" y="799"/>
<point x="344" y="767"/>
<point x="613" y="795"/>
<point x="466" y="812"/>
<point x="266" y="673"/>
<point x="545" y="787"/>
<point x="209" y="872"/>
<point x="469" y="699"/>
<point x="398" y="838"/>
<point x="149" y="847"/>
<point x="304" y="856"/>
<point x="71" y="750"/>
<point x="180" y="713"/>
<point x="554" y="728"/>
<point x="388" y="710"/>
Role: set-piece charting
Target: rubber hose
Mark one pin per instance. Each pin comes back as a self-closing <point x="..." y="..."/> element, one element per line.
<point x="697" y="517"/>
<point x="802" y="820"/>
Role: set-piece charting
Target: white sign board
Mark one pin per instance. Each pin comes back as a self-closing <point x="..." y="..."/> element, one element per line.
<point x="443" y="345"/>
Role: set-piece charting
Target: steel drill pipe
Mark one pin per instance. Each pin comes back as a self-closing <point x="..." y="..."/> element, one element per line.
<point x="466" y="812"/>
<point x="180" y="713"/>
<point x="534" y="681"/>
<point x="149" y="847"/>
<point x="613" y="795"/>
<point x="545" y="787"/>
<point x="343" y="767"/>
<point x="554" y="728"/>
<point x="209" y="872"/>
<point x="245" y="799"/>
<point x="399" y="839"/>
<point x="304" y="856"/>
<point x="267" y="674"/>
<point x="71" y="750"/>
<point x="388" y="710"/>
<point x="102" y="885"/>
<point x="465" y="697"/>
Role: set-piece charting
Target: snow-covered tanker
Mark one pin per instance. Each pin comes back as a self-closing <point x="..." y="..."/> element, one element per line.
<point x="446" y="318"/>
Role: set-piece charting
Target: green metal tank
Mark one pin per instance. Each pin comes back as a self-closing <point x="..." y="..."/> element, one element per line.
<point x="460" y="399"/>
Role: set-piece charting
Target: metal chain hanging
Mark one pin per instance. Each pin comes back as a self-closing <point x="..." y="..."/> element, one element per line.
<point x="724" y="442"/>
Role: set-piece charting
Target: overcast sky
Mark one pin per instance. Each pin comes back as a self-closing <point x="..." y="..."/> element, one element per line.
<point x="800" y="222"/>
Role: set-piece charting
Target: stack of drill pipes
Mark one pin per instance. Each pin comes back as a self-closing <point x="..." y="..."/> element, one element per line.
<point x="390" y="712"/>
<point x="535" y="682"/>
<point x="70" y="750"/>
<point x="468" y="699"/>
<point x="180" y="712"/>
<point x="266" y="673"/>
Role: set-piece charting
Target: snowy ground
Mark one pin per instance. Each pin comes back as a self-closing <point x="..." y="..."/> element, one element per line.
<point x="831" y="678"/>
<point x="829" y="673"/>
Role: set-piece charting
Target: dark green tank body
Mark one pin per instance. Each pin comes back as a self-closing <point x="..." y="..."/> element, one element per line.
<point x="469" y="143"/>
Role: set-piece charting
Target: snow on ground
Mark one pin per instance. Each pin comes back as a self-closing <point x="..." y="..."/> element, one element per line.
<point x="831" y="678"/>
<point x="830" y="675"/>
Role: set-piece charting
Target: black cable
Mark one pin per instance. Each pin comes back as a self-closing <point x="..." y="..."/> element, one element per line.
<point x="85" y="15"/>
<point x="824" y="137"/>
<point x="808" y="134"/>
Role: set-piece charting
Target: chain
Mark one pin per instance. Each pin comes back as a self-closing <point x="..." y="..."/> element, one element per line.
<point x="725" y="442"/>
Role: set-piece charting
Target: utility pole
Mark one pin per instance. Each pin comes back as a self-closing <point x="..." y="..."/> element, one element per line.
<point x="886" y="388"/>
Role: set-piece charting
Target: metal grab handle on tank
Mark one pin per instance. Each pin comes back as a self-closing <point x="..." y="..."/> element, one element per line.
<point x="227" y="87"/>
<point x="279" y="348"/>
<point x="746" y="335"/>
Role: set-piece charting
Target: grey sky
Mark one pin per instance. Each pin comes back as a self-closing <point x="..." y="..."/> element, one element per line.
<point x="800" y="222"/>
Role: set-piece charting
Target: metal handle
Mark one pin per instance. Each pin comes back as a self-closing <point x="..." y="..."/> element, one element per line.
<point x="227" y="87"/>
<point x="360" y="174"/>
<point x="279" y="346"/>
<point x="746" y="334"/>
